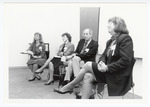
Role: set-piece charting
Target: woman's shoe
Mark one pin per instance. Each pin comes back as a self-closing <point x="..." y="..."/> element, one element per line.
<point x="38" y="77"/>
<point x="38" y="72"/>
<point x="64" y="83"/>
<point x="77" y="96"/>
<point x="48" y="83"/>
<point x="92" y="96"/>
<point x="31" y="79"/>
<point x="60" y="92"/>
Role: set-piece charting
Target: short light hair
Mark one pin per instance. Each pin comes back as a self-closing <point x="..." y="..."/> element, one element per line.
<point x="120" y="25"/>
<point x="90" y="31"/>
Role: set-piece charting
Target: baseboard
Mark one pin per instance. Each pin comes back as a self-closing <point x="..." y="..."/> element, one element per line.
<point x="18" y="67"/>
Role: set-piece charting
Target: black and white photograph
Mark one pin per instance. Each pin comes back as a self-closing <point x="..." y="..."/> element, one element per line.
<point x="75" y="52"/>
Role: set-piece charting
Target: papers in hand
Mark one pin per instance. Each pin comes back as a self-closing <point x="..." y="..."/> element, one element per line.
<point x="24" y="53"/>
<point x="28" y="52"/>
<point x="57" y="56"/>
<point x="63" y="58"/>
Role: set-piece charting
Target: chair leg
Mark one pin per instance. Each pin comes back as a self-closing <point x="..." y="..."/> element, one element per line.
<point x="133" y="92"/>
<point x="98" y="93"/>
<point x="105" y="86"/>
<point x="101" y="94"/>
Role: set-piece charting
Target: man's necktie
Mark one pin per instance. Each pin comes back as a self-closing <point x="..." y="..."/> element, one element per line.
<point x="84" y="47"/>
<point x="62" y="50"/>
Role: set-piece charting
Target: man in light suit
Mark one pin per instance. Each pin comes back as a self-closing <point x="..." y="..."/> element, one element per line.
<point x="85" y="51"/>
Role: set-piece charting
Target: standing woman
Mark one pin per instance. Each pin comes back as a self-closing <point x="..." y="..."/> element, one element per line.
<point x="114" y="67"/>
<point x="38" y="55"/>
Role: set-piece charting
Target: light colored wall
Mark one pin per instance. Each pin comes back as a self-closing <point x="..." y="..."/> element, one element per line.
<point x="138" y="77"/>
<point x="22" y="20"/>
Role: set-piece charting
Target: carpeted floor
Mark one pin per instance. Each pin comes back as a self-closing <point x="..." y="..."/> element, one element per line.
<point x="21" y="88"/>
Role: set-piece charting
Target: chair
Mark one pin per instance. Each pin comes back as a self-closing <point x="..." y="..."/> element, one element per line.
<point x="100" y="87"/>
<point x="47" y="49"/>
<point x="62" y="72"/>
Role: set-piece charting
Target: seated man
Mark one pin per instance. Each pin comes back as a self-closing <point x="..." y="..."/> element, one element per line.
<point x="85" y="51"/>
<point x="114" y="67"/>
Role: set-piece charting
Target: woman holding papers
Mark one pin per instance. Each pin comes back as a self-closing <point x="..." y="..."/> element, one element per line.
<point x="38" y="55"/>
<point x="67" y="48"/>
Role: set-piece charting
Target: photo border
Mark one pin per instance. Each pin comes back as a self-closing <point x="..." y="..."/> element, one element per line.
<point x="76" y="103"/>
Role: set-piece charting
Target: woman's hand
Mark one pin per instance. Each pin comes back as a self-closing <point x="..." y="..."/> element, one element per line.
<point x="70" y="56"/>
<point x="99" y="67"/>
<point x="36" y="56"/>
<point x="60" y="54"/>
<point x="102" y="67"/>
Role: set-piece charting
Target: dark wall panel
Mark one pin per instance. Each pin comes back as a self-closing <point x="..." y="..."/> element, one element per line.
<point x="89" y="18"/>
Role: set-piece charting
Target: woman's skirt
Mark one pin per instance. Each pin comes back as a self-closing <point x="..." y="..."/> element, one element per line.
<point x="100" y="76"/>
<point x="39" y="62"/>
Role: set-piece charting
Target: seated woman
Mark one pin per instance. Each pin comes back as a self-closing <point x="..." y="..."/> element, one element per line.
<point x="38" y="55"/>
<point x="114" y="67"/>
<point x="67" y="48"/>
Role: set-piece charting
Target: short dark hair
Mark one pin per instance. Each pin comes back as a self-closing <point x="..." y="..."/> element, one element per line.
<point x="120" y="25"/>
<point x="68" y="36"/>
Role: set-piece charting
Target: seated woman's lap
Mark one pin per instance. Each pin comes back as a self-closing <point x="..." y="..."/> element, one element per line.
<point x="56" y="62"/>
<point x="100" y="76"/>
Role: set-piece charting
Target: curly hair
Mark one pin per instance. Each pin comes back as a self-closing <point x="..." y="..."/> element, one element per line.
<point x="120" y="25"/>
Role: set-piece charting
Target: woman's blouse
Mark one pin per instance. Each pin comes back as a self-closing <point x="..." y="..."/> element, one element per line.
<point x="38" y="50"/>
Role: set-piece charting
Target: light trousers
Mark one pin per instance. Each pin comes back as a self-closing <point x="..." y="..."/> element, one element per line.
<point x="73" y="67"/>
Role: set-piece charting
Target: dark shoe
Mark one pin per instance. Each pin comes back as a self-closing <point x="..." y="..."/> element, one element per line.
<point x="79" y="96"/>
<point x="92" y="96"/>
<point x="38" y="77"/>
<point x="41" y="72"/>
<point x="48" y="83"/>
<point x="77" y="86"/>
<point x="60" y="92"/>
<point x="64" y="83"/>
<point x="32" y="79"/>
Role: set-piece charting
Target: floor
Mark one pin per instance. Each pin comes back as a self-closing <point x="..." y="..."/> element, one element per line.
<point x="21" y="88"/>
